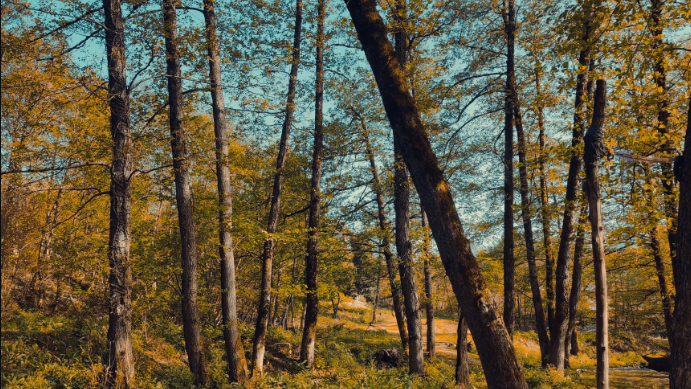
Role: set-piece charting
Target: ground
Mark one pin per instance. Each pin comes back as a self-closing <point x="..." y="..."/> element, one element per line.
<point x="39" y="351"/>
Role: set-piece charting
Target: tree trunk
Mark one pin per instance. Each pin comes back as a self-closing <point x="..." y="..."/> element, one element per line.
<point x="680" y="373"/>
<point x="263" y="311"/>
<point x="594" y="150"/>
<point x="509" y="15"/>
<point x="429" y="305"/>
<point x="376" y="302"/>
<point x="462" y="371"/>
<point x="406" y="267"/>
<point x="184" y="200"/>
<point x="311" y="262"/>
<point x="575" y="294"/>
<point x="540" y="325"/>
<point x="385" y="228"/>
<point x="544" y="207"/>
<point x="120" y="358"/>
<point x="276" y="298"/>
<point x="561" y="308"/>
<point x="656" y="249"/>
<point x="235" y="352"/>
<point x="499" y="361"/>
<point x="404" y="248"/>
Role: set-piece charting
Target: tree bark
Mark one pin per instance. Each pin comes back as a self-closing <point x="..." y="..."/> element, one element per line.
<point x="184" y="200"/>
<point x="540" y="325"/>
<point x="376" y="302"/>
<point x="561" y="308"/>
<point x="462" y="371"/>
<point x="264" y="309"/>
<point x="311" y="263"/>
<point x="510" y="99"/>
<point x="404" y="248"/>
<point x="406" y="268"/>
<point x="120" y="372"/>
<point x="499" y="361"/>
<point x="680" y="373"/>
<point x="594" y="150"/>
<point x="429" y="305"/>
<point x="235" y="352"/>
<point x="544" y="207"/>
<point x="385" y="229"/>
<point x="575" y="294"/>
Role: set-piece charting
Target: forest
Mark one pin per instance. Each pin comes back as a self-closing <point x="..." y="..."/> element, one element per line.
<point x="346" y="194"/>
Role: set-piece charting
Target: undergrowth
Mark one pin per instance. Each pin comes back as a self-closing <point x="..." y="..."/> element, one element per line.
<point x="39" y="351"/>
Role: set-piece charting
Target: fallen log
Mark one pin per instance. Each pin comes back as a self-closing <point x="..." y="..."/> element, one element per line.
<point x="658" y="363"/>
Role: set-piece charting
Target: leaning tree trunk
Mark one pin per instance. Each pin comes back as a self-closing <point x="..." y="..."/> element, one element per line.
<point x="235" y="352"/>
<point x="540" y="325"/>
<point x="544" y="207"/>
<point x="571" y="342"/>
<point x="561" y="308"/>
<point x="594" y="150"/>
<point x="404" y="248"/>
<point x="385" y="229"/>
<point x="311" y="299"/>
<point x="120" y="359"/>
<point x="509" y="15"/>
<point x="462" y="371"/>
<point x="429" y="301"/>
<point x="184" y="200"/>
<point x="680" y="372"/>
<point x="499" y="361"/>
<point x="264" y="308"/>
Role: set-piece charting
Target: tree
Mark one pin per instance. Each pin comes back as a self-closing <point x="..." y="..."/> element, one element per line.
<point x="680" y="372"/>
<point x="494" y="344"/>
<point x="561" y="311"/>
<point x="120" y="358"/>
<point x="184" y="199"/>
<point x="404" y="247"/>
<point x="311" y="262"/>
<point x="594" y="150"/>
<point x="235" y="352"/>
<point x="264" y="309"/>
<point x="509" y="15"/>
<point x="429" y="302"/>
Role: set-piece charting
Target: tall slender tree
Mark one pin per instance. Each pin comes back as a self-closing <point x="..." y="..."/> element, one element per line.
<point x="594" y="150"/>
<point x="544" y="203"/>
<point x="497" y="355"/>
<point x="571" y="342"/>
<point x="561" y="310"/>
<point x="120" y="358"/>
<point x="311" y="263"/>
<point x="509" y="16"/>
<point x="540" y="325"/>
<point x="235" y="352"/>
<point x="264" y="309"/>
<point x="184" y="199"/>
<point x="404" y="247"/>
<point x="429" y="301"/>
<point x="386" y="231"/>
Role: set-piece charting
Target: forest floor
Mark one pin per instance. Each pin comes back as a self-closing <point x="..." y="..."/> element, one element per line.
<point x="40" y="351"/>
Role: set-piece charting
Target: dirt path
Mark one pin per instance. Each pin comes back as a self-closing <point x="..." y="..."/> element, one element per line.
<point x="446" y="339"/>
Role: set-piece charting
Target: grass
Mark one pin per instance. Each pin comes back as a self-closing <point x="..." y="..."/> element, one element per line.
<point x="60" y="352"/>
